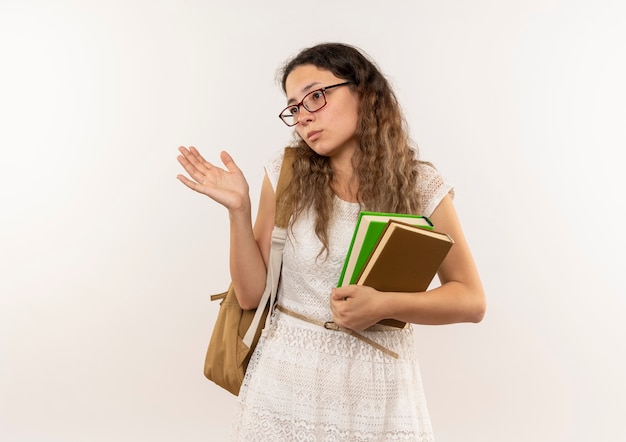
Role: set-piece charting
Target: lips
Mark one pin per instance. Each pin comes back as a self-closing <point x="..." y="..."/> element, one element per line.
<point x="313" y="135"/>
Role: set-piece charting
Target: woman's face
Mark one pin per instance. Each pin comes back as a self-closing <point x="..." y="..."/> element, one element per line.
<point x="330" y="131"/>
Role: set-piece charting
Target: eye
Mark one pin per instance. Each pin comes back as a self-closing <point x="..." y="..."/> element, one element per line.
<point x="293" y="110"/>
<point x="317" y="95"/>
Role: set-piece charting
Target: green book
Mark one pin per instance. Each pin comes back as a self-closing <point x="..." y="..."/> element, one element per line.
<point x="369" y="228"/>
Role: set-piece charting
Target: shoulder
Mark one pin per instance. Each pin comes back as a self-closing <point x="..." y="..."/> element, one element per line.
<point x="432" y="187"/>
<point x="273" y="166"/>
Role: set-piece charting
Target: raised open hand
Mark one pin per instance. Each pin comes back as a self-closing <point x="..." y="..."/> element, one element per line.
<point x="227" y="187"/>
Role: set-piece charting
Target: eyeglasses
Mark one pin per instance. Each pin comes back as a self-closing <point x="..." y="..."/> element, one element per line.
<point x="313" y="101"/>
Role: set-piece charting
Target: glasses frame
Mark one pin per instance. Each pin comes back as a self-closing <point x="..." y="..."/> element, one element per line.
<point x="301" y="103"/>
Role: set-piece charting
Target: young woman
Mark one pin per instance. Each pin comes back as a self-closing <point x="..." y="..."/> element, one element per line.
<point x="305" y="381"/>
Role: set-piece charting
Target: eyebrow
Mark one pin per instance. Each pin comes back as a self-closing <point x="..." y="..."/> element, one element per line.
<point x="304" y="90"/>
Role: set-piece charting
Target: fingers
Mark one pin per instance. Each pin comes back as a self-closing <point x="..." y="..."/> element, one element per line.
<point x="191" y="169"/>
<point x="189" y="183"/>
<point x="338" y="298"/>
<point x="193" y="152"/>
<point x="341" y="294"/>
<point x="193" y="158"/>
<point x="195" y="165"/>
<point x="228" y="161"/>
<point x="196" y="187"/>
<point x="186" y="159"/>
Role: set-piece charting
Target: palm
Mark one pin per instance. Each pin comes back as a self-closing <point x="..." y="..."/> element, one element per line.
<point x="226" y="186"/>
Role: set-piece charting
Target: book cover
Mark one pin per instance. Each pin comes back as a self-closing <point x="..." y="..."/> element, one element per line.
<point x="369" y="227"/>
<point x="405" y="259"/>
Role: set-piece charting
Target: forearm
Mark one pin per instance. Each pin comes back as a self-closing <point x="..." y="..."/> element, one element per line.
<point x="460" y="297"/>
<point x="247" y="266"/>
<point x="453" y="302"/>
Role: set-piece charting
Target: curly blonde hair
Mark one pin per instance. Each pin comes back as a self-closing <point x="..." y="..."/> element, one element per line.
<point x="386" y="164"/>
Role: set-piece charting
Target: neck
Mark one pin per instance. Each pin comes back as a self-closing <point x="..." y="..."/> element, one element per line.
<point x="341" y="163"/>
<point x="345" y="183"/>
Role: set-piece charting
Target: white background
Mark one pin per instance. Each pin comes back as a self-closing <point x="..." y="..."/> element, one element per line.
<point x="107" y="261"/>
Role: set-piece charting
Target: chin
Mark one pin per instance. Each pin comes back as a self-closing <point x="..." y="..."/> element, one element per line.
<point x="320" y="150"/>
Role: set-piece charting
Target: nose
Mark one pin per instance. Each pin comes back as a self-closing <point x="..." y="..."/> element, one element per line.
<point x="305" y="116"/>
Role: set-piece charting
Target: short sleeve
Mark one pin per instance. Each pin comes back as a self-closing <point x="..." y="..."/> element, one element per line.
<point x="272" y="168"/>
<point x="432" y="187"/>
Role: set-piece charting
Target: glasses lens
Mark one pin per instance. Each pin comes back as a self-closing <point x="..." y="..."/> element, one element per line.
<point x="314" y="101"/>
<point x="289" y="117"/>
